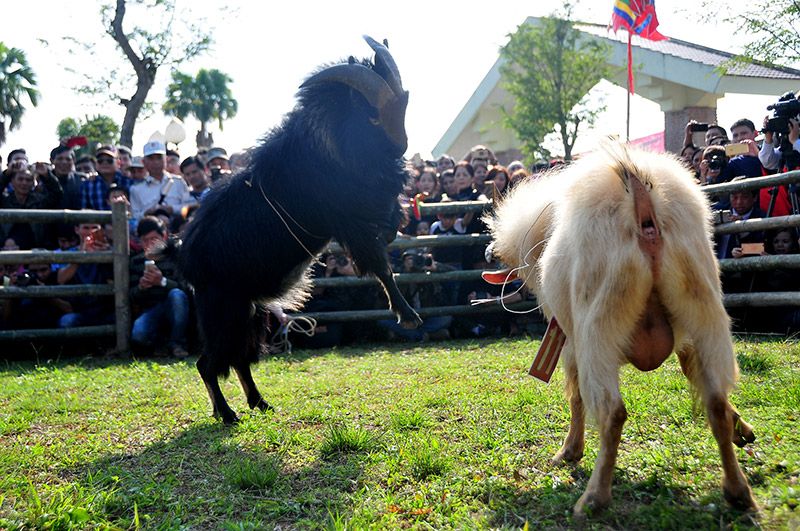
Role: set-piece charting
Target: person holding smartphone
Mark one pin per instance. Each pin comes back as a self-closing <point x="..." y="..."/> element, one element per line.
<point x="159" y="298"/>
<point x="87" y="310"/>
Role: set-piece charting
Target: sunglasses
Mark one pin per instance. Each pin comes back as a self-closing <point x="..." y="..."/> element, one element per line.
<point x="105" y="160"/>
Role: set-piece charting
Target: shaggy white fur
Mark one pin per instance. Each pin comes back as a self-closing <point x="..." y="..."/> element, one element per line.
<point x="630" y="276"/>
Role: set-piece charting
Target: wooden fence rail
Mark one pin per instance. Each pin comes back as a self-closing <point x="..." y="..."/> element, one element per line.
<point x="119" y="257"/>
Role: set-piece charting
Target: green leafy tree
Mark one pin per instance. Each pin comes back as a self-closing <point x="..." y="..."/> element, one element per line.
<point x="549" y="68"/>
<point x="67" y="128"/>
<point x="17" y="83"/>
<point x="155" y="34"/>
<point x="206" y="96"/>
<point x="771" y="26"/>
<point x="98" y="130"/>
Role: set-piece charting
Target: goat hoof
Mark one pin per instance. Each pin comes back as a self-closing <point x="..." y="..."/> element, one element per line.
<point x="742" y="432"/>
<point x="229" y="418"/>
<point x="590" y="503"/>
<point x="262" y="405"/>
<point x="741" y="498"/>
<point x="566" y="455"/>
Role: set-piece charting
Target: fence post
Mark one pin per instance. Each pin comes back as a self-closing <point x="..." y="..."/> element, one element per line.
<point x="122" y="308"/>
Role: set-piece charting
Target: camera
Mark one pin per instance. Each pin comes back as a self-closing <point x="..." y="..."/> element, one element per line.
<point x="24" y="279"/>
<point x="218" y="173"/>
<point x="716" y="162"/>
<point x="785" y="108"/>
<point x="722" y="216"/>
<point x="422" y="260"/>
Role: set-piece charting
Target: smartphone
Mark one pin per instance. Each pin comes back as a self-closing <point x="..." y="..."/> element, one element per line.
<point x="731" y="150"/>
<point x="99" y="236"/>
<point x="698" y="128"/>
<point x="752" y="248"/>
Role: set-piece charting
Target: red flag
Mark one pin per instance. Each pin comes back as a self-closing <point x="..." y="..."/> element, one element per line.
<point x="638" y="17"/>
<point x="74" y="141"/>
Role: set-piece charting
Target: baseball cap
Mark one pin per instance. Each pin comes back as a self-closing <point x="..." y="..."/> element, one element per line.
<point x="106" y="150"/>
<point x="136" y="162"/>
<point x="154" y="147"/>
<point x="217" y="153"/>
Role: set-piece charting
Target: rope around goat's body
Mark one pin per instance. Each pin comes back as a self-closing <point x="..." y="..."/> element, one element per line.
<point x="264" y="195"/>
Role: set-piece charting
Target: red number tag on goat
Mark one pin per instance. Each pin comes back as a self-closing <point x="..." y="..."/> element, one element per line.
<point x="544" y="364"/>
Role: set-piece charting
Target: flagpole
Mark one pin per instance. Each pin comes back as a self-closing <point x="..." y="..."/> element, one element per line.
<point x="628" y="114"/>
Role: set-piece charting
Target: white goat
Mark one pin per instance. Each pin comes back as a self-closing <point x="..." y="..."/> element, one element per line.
<point x="617" y="246"/>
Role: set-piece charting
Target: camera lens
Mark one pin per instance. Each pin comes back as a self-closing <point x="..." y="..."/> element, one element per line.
<point x="715" y="163"/>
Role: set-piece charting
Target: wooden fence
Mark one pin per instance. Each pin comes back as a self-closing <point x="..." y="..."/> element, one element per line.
<point x="119" y="257"/>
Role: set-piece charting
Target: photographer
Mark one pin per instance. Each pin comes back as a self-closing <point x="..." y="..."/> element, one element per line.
<point x="40" y="312"/>
<point x="781" y="151"/>
<point x="218" y="164"/>
<point x="743" y="151"/>
<point x="422" y="295"/>
<point x="712" y="171"/>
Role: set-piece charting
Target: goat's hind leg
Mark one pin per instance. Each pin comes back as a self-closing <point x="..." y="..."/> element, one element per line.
<point x="572" y="449"/>
<point x="726" y="425"/>
<point x="257" y="335"/>
<point x="599" y="389"/>
<point x="254" y="398"/>
<point x="742" y="431"/>
<point x="211" y="380"/>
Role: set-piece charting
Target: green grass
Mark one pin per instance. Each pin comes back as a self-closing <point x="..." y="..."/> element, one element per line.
<point x="449" y="436"/>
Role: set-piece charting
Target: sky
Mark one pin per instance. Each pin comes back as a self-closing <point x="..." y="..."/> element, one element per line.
<point x="443" y="50"/>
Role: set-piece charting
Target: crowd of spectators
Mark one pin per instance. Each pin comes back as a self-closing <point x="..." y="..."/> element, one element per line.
<point x="162" y="190"/>
<point x="715" y="157"/>
<point x="160" y="193"/>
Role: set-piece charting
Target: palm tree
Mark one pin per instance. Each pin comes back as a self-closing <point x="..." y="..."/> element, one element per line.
<point x="206" y="97"/>
<point x="17" y="80"/>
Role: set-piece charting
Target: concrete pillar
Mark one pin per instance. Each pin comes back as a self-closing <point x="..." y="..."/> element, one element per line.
<point x="675" y="123"/>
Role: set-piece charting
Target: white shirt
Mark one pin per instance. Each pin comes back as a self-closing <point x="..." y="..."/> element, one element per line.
<point x="770" y="154"/>
<point x="148" y="192"/>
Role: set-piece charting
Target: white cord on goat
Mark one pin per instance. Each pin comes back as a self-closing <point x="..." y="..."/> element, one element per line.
<point x="280" y="344"/>
<point x="525" y="265"/>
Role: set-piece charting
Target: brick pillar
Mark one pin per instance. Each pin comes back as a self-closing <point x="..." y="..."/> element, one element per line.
<point x="675" y="124"/>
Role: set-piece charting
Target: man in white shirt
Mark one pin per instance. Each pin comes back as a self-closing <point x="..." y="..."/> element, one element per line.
<point x="159" y="189"/>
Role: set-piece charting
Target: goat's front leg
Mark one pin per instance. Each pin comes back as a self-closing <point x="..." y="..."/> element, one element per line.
<point x="406" y="316"/>
<point x="370" y="257"/>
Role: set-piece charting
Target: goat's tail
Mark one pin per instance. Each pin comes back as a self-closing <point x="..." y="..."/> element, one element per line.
<point x="522" y="223"/>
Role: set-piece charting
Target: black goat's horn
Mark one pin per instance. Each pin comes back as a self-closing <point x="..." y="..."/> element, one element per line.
<point x="385" y="65"/>
<point x="372" y="86"/>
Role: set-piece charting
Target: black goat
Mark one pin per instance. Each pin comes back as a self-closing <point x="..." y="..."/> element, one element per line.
<point x="332" y="169"/>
